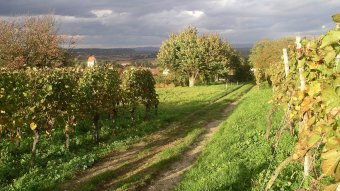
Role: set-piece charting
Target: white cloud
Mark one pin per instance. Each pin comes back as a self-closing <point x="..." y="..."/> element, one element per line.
<point x="195" y="14"/>
<point x="102" y="13"/>
<point x="222" y="3"/>
<point x="148" y="22"/>
<point x="71" y="19"/>
<point x="225" y="2"/>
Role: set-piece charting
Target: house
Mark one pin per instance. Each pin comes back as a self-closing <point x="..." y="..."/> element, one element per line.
<point x="91" y="61"/>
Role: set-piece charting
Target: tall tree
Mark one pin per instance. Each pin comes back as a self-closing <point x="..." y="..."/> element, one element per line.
<point x="191" y="55"/>
<point x="216" y="56"/>
<point x="181" y="53"/>
<point x="32" y="41"/>
<point x="266" y="57"/>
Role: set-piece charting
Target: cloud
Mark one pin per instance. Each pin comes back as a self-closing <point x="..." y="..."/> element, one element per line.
<point x="101" y="13"/>
<point x="108" y="23"/>
<point x="195" y="14"/>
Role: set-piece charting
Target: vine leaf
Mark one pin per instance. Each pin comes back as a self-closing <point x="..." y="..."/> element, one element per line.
<point x="331" y="187"/>
<point x="330" y="56"/>
<point x="313" y="139"/>
<point x="331" y="38"/>
<point x="331" y="98"/>
<point x="330" y="163"/>
<point x="33" y="126"/>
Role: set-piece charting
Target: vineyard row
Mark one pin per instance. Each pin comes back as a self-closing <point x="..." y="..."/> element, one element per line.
<point x="37" y="98"/>
<point x="308" y="87"/>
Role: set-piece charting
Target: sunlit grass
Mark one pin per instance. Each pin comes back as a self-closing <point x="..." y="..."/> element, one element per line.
<point x="239" y="157"/>
<point x="54" y="164"/>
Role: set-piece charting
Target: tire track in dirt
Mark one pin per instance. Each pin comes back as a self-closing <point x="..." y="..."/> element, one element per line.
<point x="124" y="164"/>
<point x="169" y="179"/>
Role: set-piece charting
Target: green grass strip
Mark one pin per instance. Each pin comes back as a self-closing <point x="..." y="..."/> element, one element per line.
<point x="239" y="157"/>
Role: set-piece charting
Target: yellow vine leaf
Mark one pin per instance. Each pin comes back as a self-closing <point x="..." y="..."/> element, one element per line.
<point x="33" y="126"/>
<point x="332" y="187"/>
<point x="313" y="139"/>
<point x="305" y="105"/>
<point x="330" y="163"/>
<point x="311" y="121"/>
<point x="314" y="88"/>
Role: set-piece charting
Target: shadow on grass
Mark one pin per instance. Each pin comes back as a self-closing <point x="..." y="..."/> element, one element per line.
<point x="111" y="137"/>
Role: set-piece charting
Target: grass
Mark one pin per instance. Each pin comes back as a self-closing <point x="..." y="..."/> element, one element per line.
<point x="193" y="127"/>
<point x="186" y="131"/>
<point x="54" y="164"/>
<point x="162" y="161"/>
<point x="239" y="157"/>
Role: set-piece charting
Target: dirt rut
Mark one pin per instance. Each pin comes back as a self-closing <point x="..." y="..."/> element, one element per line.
<point x="169" y="179"/>
<point x="133" y="161"/>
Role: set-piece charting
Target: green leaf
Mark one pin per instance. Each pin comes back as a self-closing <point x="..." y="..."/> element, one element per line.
<point x="314" y="88"/>
<point x="313" y="139"/>
<point x="331" y="98"/>
<point x="331" y="38"/>
<point x="336" y="18"/>
<point x="49" y="88"/>
<point x="337" y="90"/>
<point x="336" y="82"/>
<point x="301" y="63"/>
<point x="330" y="56"/>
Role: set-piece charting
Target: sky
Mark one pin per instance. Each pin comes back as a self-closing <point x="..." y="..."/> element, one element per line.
<point x="138" y="23"/>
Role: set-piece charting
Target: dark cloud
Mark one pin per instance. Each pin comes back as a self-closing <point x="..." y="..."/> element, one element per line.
<point x="128" y="23"/>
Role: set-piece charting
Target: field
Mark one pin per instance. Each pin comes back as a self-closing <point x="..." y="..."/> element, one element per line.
<point x="202" y="138"/>
<point x="54" y="164"/>
<point x="239" y="157"/>
<point x="178" y="107"/>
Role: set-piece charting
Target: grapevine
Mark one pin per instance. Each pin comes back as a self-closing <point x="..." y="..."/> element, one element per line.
<point x="310" y="95"/>
<point x="32" y="99"/>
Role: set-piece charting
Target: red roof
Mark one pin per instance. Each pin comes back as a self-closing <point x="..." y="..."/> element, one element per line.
<point x="91" y="59"/>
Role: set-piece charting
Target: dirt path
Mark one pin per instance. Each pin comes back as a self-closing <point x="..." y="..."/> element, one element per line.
<point x="169" y="179"/>
<point x="121" y="163"/>
<point x="120" y="168"/>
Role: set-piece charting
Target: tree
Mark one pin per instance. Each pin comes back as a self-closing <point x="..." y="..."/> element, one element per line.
<point x="242" y="68"/>
<point x="32" y="41"/>
<point x="181" y="54"/>
<point x="189" y="54"/>
<point x="265" y="57"/>
<point x="216" y="55"/>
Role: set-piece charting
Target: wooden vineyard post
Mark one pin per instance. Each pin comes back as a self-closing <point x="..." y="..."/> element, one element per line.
<point x="302" y="80"/>
<point x="286" y="68"/>
<point x="285" y="61"/>
<point x="303" y="123"/>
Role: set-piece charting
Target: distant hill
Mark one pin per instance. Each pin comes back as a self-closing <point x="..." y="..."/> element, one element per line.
<point x="116" y="53"/>
<point x="242" y="45"/>
<point x="244" y="49"/>
<point x="147" y="49"/>
<point x="134" y="53"/>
